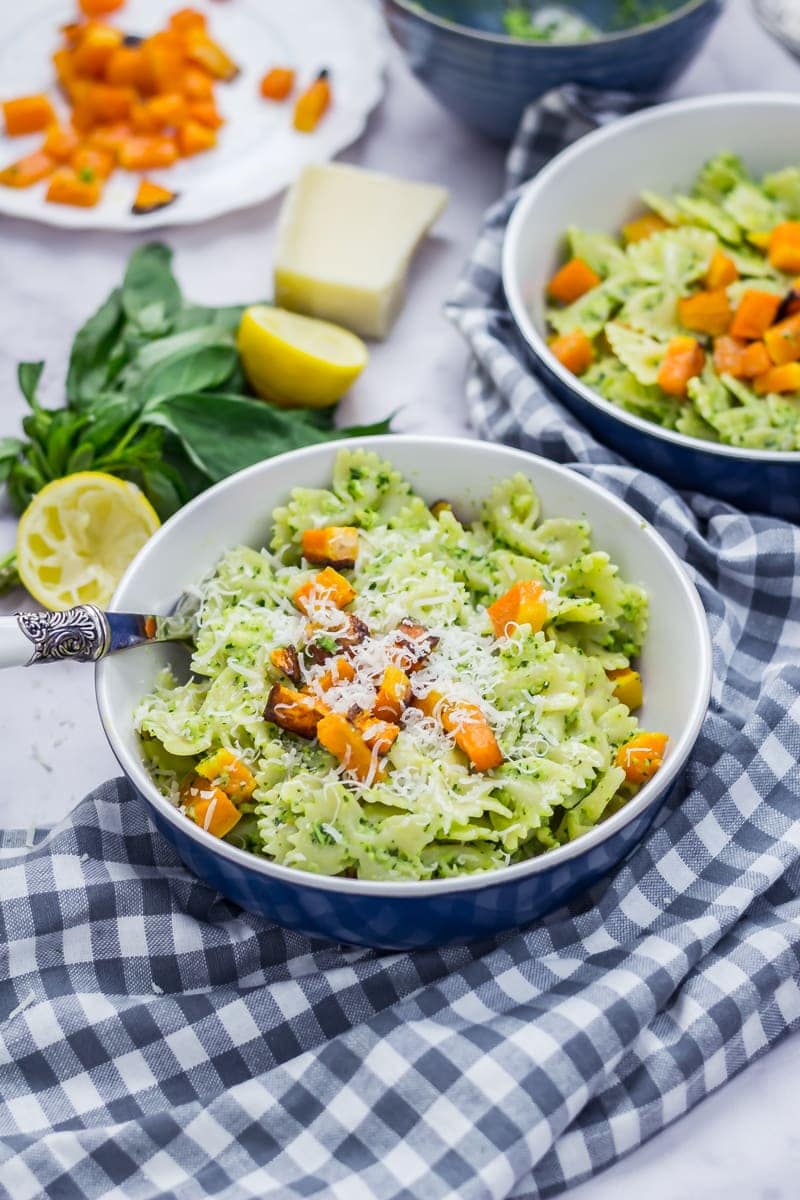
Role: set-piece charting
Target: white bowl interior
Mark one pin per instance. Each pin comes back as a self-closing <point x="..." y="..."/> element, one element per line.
<point x="676" y="658"/>
<point x="595" y="185"/>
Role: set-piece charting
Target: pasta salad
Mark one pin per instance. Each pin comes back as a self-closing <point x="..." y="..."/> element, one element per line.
<point x="691" y="317"/>
<point x="389" y="693"/>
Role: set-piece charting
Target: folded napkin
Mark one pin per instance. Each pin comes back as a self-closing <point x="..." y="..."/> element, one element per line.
<point x="155" y="1041"/>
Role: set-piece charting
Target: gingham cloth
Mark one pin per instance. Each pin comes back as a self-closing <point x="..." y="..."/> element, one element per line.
<point x="155" y="1041"/>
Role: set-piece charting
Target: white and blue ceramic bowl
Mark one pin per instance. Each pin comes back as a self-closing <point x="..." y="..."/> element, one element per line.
<point x="595" y="184"/>
<point x="676" y="664"/>
<point x="457" y="50"/>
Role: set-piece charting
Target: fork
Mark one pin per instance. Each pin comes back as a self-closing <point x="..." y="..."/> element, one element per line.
<point x="86" y="633"/>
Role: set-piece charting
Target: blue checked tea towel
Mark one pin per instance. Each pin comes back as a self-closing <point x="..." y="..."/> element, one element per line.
<point x="156" y="1042"/>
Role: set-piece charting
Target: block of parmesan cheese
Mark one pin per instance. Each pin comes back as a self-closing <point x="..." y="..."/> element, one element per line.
<point x="346" y="238"/>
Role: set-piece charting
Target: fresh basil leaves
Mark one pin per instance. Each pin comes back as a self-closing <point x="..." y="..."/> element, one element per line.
<point x="155" y="394"/>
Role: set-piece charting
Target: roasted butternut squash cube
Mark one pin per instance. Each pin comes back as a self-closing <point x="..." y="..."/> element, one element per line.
<point x="343" y="740"/>
<point x="27" y="171"/>
<point x="572" y="281"/>
<point x="150" y="197"/>
<point x="683" y="359"/>
<point x="573" y="350"/>
<point x="333" y="546"/>
<point x="783" y="340"/>
<point x="783" y="249"/>
<point x="785" y="378"/>
<point x="328" y="587"/>
<point x="211" y="809"/>
<point x="297" y="712"/>
<point x="627" y="687"/>
<point x="641" y="757"/>
<point x="523" y="604"/>
<point x="643" y="227"/>
<point x="755" y="314"/>
<point x="27" y="114"/>
<point x="286" y="659"/>
<point x="393" y="696"/>
<point x="227" y="771"/>
<point x="67" y="187"/>
<point x="706" y="312"/>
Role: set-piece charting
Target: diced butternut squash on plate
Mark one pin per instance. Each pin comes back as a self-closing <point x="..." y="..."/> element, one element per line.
<point x="147" y="153"/>
<point x="68" y="187"/>
<point x="27" y="114"/>
<point x="195" y="138"/>
<point x="312" y="104"/>
<point x="277" y="84"/>
<point x="60" y="143"/>
<point x="28" y="170"/>
<point x="150" y="197"/>
<point x="145" y="101"/>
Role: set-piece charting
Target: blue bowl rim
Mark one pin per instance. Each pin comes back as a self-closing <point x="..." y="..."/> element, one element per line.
<point x="536" y="342"/>
<point x="413" y="9"/>
<point x="650" y="794"/>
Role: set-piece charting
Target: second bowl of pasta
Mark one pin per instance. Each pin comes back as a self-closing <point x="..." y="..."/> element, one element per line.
<point x="651" y="269"/>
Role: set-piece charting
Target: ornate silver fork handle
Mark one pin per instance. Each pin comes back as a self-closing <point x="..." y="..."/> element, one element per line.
<point x="86" y="633"/>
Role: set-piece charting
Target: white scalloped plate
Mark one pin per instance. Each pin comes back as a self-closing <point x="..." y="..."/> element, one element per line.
<point x="258" y="152"/>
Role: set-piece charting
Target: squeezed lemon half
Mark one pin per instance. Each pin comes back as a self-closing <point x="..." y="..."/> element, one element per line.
<point x="296" y="361"/>
<point x="78" y="535"/>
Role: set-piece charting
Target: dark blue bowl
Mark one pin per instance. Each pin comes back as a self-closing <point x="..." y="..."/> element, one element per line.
<point x="415" y="916"/>
<point x="457" y="50"/>
<point x="765" y="483"/>
<point x="675" y="660"/>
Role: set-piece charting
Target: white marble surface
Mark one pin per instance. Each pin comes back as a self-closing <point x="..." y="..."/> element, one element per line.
<point x="744" y="1142"/>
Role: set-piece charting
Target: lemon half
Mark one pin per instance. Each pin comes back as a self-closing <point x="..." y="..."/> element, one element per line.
<point x="77" y="536"/>
<point x="295" y="361"/>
